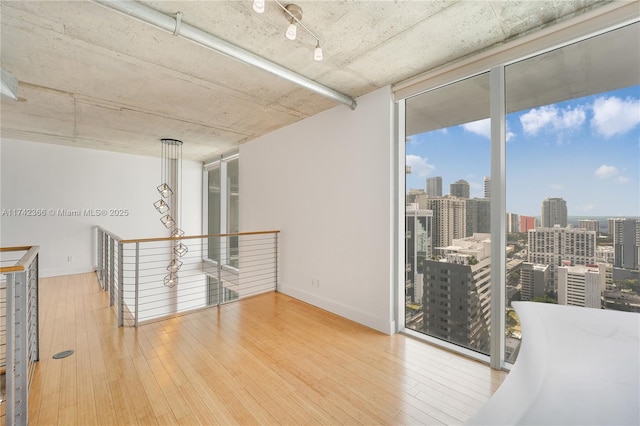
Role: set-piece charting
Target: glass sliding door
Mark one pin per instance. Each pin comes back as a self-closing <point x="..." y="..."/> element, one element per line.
<point x="573" y="166"/>
<point x="447" y="221"/>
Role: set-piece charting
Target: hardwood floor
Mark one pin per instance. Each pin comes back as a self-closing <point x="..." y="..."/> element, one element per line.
<point x="267" y="360"/>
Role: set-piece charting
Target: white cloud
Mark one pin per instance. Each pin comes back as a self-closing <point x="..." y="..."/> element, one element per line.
<point x="572" y="118"/>
<point x="419" y="166"/>
<point x="606" y="172"/>
<point x="480" y="127"/>
<point x="623" y="179"/>
<point x="550" y="117"/>
<point x="614" y="116"/>
<point x="536" y="119"/>
<point x="483" y="128"/>
<point x="588" y="207"/>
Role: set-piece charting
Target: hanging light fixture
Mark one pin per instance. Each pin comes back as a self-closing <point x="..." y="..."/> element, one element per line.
<point x="181" y="250"/>
<point x="171" y="280"/>
<point x="171" y="190"/>
<point x="170" y="175"/>
<point x="165" y="190"/>
<point x="161" y="206"/>
<point x="167" y="221"/>
<point x="174" y="265"/>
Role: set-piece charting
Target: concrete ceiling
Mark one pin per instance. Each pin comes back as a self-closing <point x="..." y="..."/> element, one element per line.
<point x="92" y="77"/>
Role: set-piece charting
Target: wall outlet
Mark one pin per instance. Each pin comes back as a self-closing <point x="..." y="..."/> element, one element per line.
<point x="69" y="258"/>
<point x="315" y="283"/>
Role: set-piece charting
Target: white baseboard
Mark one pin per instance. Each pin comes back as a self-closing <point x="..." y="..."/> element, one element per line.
<point x="383" y="325"/>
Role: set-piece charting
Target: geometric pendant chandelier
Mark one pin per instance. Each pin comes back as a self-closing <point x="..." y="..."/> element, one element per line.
<point x="170" y="204"/>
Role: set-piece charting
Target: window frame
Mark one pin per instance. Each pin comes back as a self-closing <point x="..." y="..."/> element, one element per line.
<point x="591" y="24"/>
<point x="220" y="162"/>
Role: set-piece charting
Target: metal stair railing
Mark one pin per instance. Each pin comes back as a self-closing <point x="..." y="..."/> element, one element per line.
<point x="147" y="280"/>
<point x="19" y="332"/>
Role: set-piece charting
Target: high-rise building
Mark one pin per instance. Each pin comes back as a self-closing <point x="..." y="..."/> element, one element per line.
<point x="418" y="228"/>
<point x="487" y="187"/>
<point x="606" y="276"/>
<point x="457" y="293"/>
<point x="434" y="186"/>
<point x="579" y="285"/>
<point x="553" y="212"/>
<point x="605" y="254"/>
<point x="590" y="225"/>
<point x="533" y="280"/>
<point x="460" y="189"/>
<point x="449" y="218"/>
<point x="513" y="223"/>
<point x="552" y="246"/>
<point x="626" y="242"/>
<point x="526" y="223"/>
<point x="478" y="216"/>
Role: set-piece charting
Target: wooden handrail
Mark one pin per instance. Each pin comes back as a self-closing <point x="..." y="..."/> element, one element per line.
<point x="192" y="237"/>
<point x="24" y="261"/>
<point x="20" y="248"/>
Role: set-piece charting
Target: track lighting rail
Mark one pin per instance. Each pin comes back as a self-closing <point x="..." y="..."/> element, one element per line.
<point x="189" y="32"/>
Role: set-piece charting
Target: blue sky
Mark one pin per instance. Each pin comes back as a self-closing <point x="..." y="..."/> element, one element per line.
<point x="586" y="151"/>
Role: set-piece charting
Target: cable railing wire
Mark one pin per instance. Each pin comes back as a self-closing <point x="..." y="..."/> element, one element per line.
<point x="216" y="269"/>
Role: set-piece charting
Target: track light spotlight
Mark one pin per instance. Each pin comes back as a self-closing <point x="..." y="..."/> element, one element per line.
<point x="292" y="30"/>
<point x="317" y="53"/>
<point x="258" y="6"/>
<point x="293" y="15"/>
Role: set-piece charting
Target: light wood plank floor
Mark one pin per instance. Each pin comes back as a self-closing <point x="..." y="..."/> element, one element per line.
<point x="267" y="360"/>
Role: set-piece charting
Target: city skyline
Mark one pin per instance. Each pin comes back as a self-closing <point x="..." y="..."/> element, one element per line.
<point x="586" y="151"/>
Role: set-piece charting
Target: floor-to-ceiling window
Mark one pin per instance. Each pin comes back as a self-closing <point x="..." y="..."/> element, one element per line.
<point x="447" y="268"/>
<point x="222" y="217"/>
<point x="571" y="192"/>
<point x="573" y="164"/>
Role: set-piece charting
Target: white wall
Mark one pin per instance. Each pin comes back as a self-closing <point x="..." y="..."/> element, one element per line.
<point x="52" y="177"/>
<point x="326" y="183"/>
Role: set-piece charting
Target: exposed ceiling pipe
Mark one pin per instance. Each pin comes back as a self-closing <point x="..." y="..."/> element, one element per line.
<point x="176" y="26"/>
